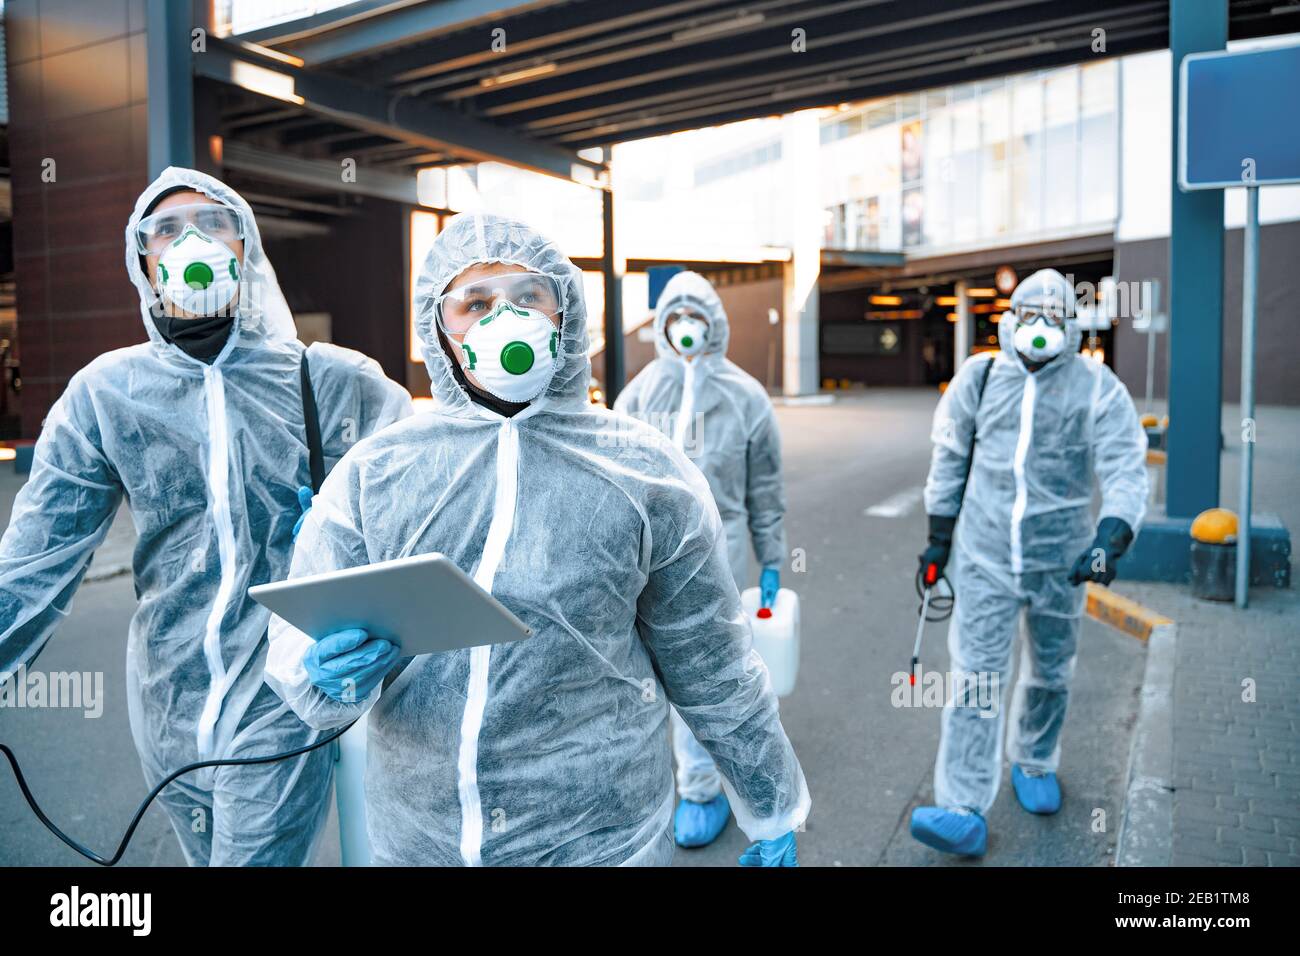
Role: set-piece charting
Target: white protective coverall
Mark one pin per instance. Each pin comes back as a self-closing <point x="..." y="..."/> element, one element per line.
<point x="602" y="538"/>
<point x="209" y="459"/>
<point x="722" y="418"/>
<point x="1043" y="439"/>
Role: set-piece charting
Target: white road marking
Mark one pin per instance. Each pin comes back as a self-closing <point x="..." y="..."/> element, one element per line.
<point x="798" y="400"/>
<point x="896" y="506"/>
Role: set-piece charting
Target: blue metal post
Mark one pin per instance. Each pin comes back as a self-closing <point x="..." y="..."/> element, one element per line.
<point x="1195" y="295"/>
<point x="171" y="85"/>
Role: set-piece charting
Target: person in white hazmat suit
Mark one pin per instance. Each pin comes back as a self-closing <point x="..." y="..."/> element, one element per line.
<point x="1042" y="422"/>
<point x="201" y="430"/>
<point x="551" y="750"/>
<point x="723" y="419"/>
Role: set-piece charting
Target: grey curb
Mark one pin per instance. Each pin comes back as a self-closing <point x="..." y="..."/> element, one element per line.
<point x="1147" y="827"/>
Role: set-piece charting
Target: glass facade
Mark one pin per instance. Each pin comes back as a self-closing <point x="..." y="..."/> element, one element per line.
<point x="1014" y="159"/>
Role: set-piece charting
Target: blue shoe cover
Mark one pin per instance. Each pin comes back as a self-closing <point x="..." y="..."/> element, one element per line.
<point x="698" y="824"/>
<point x="952" y="831"/>
<point x="1037" y="793"/>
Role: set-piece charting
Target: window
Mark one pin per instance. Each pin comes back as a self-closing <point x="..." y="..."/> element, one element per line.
<point x="751" y="158"/>
<point x="1001" y="160"/>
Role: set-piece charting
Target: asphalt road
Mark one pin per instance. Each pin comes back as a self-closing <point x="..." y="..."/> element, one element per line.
<point x="867" y="762"/>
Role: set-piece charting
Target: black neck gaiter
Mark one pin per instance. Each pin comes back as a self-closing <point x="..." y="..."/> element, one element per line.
<point x="202" y="338"/>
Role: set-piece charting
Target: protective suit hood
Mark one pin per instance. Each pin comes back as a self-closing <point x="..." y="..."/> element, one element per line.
<point x="263" y="314"/>
<point x="1043" y="286"/>
<point x="691" y="288"/>
<point x="473" y="238"/>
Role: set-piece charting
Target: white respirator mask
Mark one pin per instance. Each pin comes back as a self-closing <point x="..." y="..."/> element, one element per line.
<point x="198" y="273"/>
<point x="1039" y="341"/>
<point x="688" y="335"/>
<point x="512" y="352"/>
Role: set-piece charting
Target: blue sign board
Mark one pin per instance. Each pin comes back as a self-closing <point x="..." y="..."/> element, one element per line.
<point x="659" y="276"/>
<point x="1239" y="118"/>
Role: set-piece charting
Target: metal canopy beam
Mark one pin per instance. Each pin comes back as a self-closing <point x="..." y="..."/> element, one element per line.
<point x="377" y="111"/>
<point x="829" y="92"/>
<point x="321" y="174"/>
<point x="753" y="47"/>
<point x="948" y="41"/>
<point x="853" y="257"/>
<point x="399" y="25"/>
<point x="561" y="28"/>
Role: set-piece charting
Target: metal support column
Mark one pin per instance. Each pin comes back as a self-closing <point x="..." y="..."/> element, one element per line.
<point x="612" y="269"/>
<point x="171" y="85"/>
<point x="963" y="332"/>
<point x="1195" y="295"/>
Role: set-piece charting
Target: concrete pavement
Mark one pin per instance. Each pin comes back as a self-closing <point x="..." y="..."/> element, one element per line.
<point x="1234" y="730"/>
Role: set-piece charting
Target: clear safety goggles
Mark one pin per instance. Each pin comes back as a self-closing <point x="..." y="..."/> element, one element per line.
<point x="458" y="309"/>
<point x="1028" y="315"/>
<point x="155" y="232"/>
<point x="686" y="312"/>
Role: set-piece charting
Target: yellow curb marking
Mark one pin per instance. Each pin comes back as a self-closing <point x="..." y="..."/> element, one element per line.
<point x="1123" y="614"/>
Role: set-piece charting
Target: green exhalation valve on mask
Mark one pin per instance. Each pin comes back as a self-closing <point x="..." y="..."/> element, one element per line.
<point x="198" y="275"/>
<point x="503" y="351"/>
<point x="1040" y="342"/>
<point x="517" y="358"/>
<point x="687" y="341"/>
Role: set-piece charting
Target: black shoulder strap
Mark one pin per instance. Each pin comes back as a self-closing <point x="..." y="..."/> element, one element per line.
<point x="310" y="417"/>
<point x="974" y="429"/>
<point x="984" y="380"/>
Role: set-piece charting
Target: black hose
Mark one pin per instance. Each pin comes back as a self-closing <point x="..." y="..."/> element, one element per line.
<point x="941" y="603"/>
<point x="94" y="857"/>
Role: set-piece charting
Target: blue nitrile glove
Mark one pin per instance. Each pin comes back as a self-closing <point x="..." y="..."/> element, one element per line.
<point x="769" y="582"/>
<point x="304" y="502"/>
<point x="347" y="665"/>
<point x="778" y="852"/>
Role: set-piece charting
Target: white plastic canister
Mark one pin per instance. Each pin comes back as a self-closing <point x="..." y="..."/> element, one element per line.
<point x="776" y="637"/>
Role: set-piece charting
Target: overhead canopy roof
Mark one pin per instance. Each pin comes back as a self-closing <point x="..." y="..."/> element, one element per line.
<point x="396" y="85"/>
<point x="554" y="76"/>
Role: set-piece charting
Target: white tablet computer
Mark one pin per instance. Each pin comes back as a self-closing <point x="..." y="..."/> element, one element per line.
<point x="425" y="603"/>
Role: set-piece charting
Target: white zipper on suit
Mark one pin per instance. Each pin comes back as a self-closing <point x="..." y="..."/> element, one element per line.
<point x="687" y="410"/>
<point x="214" y="392"/>
<point x="503" y="523"/>
<point x="1018" y="468"/>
